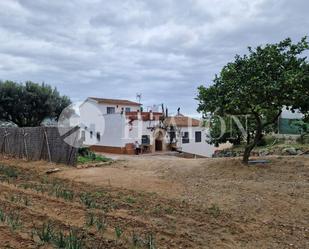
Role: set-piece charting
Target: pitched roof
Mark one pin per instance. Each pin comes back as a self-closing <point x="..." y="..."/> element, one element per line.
<point x="182" y="121"/>
<point x="115" y="101"/>
<point x="145" y="116"/>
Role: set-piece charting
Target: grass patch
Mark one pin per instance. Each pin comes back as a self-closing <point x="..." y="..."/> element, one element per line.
<point x="8" y="171"/>
<point x="92" y="159"/>
<point x="85" y="155"/>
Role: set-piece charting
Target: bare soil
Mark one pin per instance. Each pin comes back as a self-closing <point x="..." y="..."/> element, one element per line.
<point x="166" y="201"/>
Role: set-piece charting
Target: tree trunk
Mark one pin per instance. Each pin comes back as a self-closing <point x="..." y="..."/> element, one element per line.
<point x="258" y="136"/>
<point x="250" y="146"/>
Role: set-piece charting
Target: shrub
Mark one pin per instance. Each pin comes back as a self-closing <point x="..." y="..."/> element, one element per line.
<point x="214" y="210"/>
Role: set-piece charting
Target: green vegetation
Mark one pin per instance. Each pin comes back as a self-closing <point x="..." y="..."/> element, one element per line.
<point x="60" y="192"/>
<point x="8" y="171"/>
<point x="45" y="233"/>
<point x="12" y="219"/>
<point x="214" y="210"/>
<point x="118" y="232"/>
<point x="140" y="242"/>
<point x="19" y="199"/>
<point x="85" y="155"/>
<point x="30" y="103"/>
<point x="92" y="159"/>
<point x="259" y="85"/>
<point x="48" y="234"/>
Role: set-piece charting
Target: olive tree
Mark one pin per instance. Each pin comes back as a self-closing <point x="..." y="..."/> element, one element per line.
<point x="30" y="103"/>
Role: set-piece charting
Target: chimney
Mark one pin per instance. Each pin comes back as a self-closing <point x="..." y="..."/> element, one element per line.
<point x="151" y="115"/>
<point x="166" y="112"/>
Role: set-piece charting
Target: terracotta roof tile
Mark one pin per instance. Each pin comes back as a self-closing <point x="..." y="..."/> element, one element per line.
<point x="182" y="121"/>
<point x="115" y="101"/>
<point x="145" y="116"/>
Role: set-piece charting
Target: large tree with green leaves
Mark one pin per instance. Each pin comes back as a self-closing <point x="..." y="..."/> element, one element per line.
<point x="233" y="129"/>
<point x="30" y="103"/>
<point x="260" y="85"/>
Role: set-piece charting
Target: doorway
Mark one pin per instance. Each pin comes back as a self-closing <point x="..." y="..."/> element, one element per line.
<point x="158" y="145"/>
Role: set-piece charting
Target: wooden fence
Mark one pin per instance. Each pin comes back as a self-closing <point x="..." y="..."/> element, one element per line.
<point x="37" y="143"/>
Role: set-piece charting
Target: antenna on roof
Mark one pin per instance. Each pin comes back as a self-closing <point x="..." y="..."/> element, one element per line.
<point x="138" y="97"/>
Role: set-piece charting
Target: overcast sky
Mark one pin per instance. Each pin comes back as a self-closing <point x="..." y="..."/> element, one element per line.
<point x="164" y="49"/>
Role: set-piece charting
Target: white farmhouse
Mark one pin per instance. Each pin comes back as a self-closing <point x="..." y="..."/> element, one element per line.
<point x="114" y="125"/>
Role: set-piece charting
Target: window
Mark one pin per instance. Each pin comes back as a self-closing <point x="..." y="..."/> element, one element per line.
<point x="91" y="134"/>
<point x="128" y="109"/>
<point x="198" y="136"/>
<point x="110" y="110"/>
<point x="145" y="139"/>
<point x="185" y="137"/>
<point x="98" y="136"/>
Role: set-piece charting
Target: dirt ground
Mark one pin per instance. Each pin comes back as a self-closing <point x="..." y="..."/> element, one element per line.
<point x="159" y="202"/>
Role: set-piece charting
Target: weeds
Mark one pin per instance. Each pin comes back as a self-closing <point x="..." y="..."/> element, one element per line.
<point x="72" y="241"/>
<point x="2" y="216"/>
<point x="118" y="232"/>
<point x="159" y="209"/>
<point x="99" y="221"/>
<point x="59" y="240"/>
<point x="148" y="242"/>
<point x="8" y="171"/>
<point x="88" y="200"/>
<point x="48" y="234"/>
<point x="19" y="199"/>
<point x="90" y="219"/>
<point x="214" y="210"/>
<point x="130" y="200"/>
<point x="12" y="219"/>
<point x="63" y="193"/>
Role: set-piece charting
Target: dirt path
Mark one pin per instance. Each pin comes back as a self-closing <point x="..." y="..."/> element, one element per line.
<point x="204" y="203"/>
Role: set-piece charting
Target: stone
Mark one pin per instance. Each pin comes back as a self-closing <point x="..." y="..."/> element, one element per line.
<point x="289" y="151"/>
<point x="264" y="152"/>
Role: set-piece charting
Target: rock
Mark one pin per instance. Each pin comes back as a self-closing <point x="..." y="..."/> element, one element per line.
<point x="289" y="151"/>
<point x="264" y="152"/>
<point x="299" y="152"/>
<point x="50" y="171"/>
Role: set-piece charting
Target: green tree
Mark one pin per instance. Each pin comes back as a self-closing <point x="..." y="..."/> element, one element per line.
<point x="233" y="129"/>
<point x="259" y="84"/>
<point x="30" y="103"/>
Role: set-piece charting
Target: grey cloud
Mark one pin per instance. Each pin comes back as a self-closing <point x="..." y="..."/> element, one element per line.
<point x="164" y="49"/>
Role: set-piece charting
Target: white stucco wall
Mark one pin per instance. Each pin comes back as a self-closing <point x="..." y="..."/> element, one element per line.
<point x="116" y="131"/>
<point x="110" y="126"/>
<point x="199" y="148"/>
<point x="118" y="108"/>
<point x="139" y="128"/>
